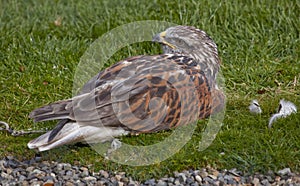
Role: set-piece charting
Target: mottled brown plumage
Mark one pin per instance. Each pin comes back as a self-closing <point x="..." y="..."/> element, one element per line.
<point x="141" y="94"/>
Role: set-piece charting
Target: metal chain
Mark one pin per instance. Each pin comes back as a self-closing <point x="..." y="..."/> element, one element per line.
<point x="17" y="132"/>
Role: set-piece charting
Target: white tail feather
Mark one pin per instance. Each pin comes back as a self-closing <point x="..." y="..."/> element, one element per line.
<point x="72" y="133"/>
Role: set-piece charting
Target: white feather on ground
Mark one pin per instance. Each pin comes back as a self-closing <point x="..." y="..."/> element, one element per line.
<point x="285" y="109"/>
<point x="255" y="107"/>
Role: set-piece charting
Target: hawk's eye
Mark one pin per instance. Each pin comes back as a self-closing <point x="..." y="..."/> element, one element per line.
<point x="181" y="43"/>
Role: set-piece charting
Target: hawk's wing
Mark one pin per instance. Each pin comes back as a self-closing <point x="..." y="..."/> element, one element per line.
<point x="141" y="94"/>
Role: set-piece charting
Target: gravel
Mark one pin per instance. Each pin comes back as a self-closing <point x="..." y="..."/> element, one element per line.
<point x="38" y="172"/>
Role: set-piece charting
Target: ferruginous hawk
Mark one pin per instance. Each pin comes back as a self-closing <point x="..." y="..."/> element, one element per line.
<point x="141" y="94"/>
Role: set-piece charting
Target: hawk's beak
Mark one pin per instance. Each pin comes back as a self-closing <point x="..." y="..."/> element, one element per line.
<point x="160" y="38"/>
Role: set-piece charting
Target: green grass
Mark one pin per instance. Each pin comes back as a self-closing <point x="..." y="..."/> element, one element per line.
<point x="259" y="44"/>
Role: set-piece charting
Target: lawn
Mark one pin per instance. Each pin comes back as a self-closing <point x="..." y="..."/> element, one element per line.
<point x="41" y="43"/>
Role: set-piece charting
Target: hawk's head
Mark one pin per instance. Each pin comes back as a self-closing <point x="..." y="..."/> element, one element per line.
<point x="192" y="42"/>
<point x="186" y="40"/>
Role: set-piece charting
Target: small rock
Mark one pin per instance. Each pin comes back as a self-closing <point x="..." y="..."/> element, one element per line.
<point x="59" y="166"/>
<point x="79" y="183"/>
<point x="187" y="173"/>
<point x="270" y="179"/>
<point x="35" y="183"/>
<point x="270" y="173"/>
<point x="9" y="157"/>
<point x="75" y="177"/>
<point x="29" y="162"/>
<point x="30" y="169"/>
<point x="2" y="162"/>
<point x="228" y="177"/>
<point x="260" y="176"/>
<point x="48" y="178"/>
<point x="198" y="178"/>
<point x="37" y="158"/>
<point x="171" y="180"/>
<point x="182" y="178"/>
<point x="52" y="175"/>
<point x="231" y="182"/>
<point x="69" y="183"/>
<point x="215" y="173"/>
<point x="9" y="170"/>
<point x="61" y="172"/>
<point x="176" y="174"/>
<point x="285" y="171"/>
<point x="69" y="173"/>
<point x="118" y="177"/>
<point x="208" y="180"/>
<point x="104" y="180"/>
<point x="165" y="179"/>
<point x="161" y="183"/>
<point x="44" y="164"/>
<point x="122" y="173"/>
<point x="203" y="174"/>
<point x="150" y="182"/>
<point x="67" y="166"/>
<point x="265" y="182"/>
<point x="296" y="179"/>
<point x="217" y="183"/>
<point x="125" y="180"/>
<point x="196" y="172"/>
<point x="66" y="177"/>
<point x="212" y="176"/>
<point x="221" y="179"/>
<point x="176" y="181"/>
<point x="90" y="178"/>
<point x="255" y="181"/>
<point x="289" y="181"/>
<point x="13" y="163"/>
<point x="281" y="182"/>
<point x="85" y="172"/>
<point x="22" y="178"/>
<point x="24" y="183"/>
<point x="189" y="180"/>
<point x="113" y="179"/>
<point x="237" y="178"/>
<point x="104" y="173"/>
<point x="48" y="183"/>
<point x="6" y="176"/>
<point x="243" y="180"/>
<point x="100" y="183"/>
<point x="37" y="171"/>
<point x="131" y="182"/>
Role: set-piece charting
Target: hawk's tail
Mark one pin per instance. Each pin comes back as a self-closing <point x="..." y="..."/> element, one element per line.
<point x="68" y="132"/>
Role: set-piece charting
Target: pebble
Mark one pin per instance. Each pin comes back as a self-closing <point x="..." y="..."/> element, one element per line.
<point x="255" y="181"/>
<point x="118" y="177"/>
<point x="284" y="171"/>
<point x="161" y="183"/>
<point x="212" y="177"/>
<point x="50" y="173"/>
<point x="150" y="182"/>
<point x="198" y="178"/>
<point x="90" y="178"/>
<point x="182" y="178"/>
<point x="265" y="182"/>
<point x="104" y="173"/>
